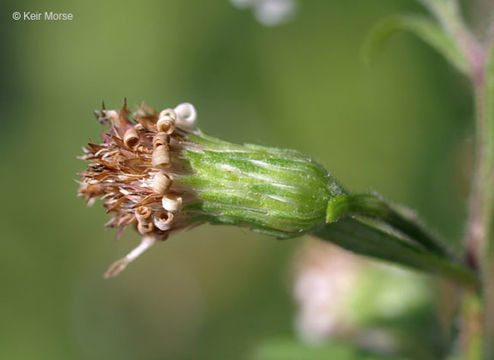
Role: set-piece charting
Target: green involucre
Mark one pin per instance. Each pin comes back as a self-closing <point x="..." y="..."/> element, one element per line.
<point x="278" y="192"/>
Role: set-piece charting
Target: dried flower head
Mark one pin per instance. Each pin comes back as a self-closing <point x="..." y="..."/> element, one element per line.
<point x="157" y="172"/>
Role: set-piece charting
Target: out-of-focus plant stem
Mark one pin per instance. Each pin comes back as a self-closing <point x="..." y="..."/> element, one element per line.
<point x="479" y="247"/>
<point x="482" y="16"/>
<point x="479" y="237"/>
<point x="476" y="233"/>
<point x="479" y="250"/>
<point x="479" y="203"/>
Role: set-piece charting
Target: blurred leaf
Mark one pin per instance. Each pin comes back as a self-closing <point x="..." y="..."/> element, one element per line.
<point x="291" y="349"/>
<point x="447" y="12"/>
<point x="366" y="239"/>
<point x="434" y="4"/>
<point x="425" y="29"/>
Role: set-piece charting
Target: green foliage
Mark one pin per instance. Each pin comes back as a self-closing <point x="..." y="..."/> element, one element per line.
<point x="424" y="28"/>
<point x="373" y="207"/>
<point x="291" y="349"/>
<point x="447" y="12"/>
<point x="365" y="239"/>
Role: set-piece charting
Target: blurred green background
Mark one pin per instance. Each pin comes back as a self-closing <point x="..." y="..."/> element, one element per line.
<point x="397" y="127"/>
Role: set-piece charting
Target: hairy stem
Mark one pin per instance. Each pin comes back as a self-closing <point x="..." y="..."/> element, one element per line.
<point x="480" y="232"/>
<point x="478" y="238"/>
<point x="476" y="225"/>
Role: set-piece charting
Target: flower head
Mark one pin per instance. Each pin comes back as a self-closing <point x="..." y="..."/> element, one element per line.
<point x="157" y="172"/>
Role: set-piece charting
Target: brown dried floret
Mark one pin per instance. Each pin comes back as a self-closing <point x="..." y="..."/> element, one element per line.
<point x="132" y="171"/>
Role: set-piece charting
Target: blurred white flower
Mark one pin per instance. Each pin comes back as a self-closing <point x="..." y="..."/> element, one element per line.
<point x="338" y="294"/>
<point x="269" y="12"/>
<point x="243" y="4"/>
<point x="324" y="279"/>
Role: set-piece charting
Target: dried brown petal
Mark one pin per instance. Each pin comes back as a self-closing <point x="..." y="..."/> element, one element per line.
<point x="161" y="183"/>
<point x="131" y="139"/>
<point x="164" y="220"/>
<point x="131" y="171"/>
<point x="166" y="124"/>
<point x="160" y="157"/>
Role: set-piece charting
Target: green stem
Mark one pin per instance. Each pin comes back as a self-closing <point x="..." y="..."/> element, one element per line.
<point x="479" y="250"/>
<point x="372" y="206"/>
<point x="470" y="338"/>
<point x="479" y="238"/>
<point x="365" y="239"/>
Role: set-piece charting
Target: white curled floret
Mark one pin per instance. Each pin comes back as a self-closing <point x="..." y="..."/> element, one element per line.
<point x="160" y="139"/>
<point x="163" y="221"/>
<point x="166" y="121"/>
<point x="171" y="203"/>
<point x="160" y="156"/>
<point x="161" y="182"/>
<point x="186" y="116"/>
